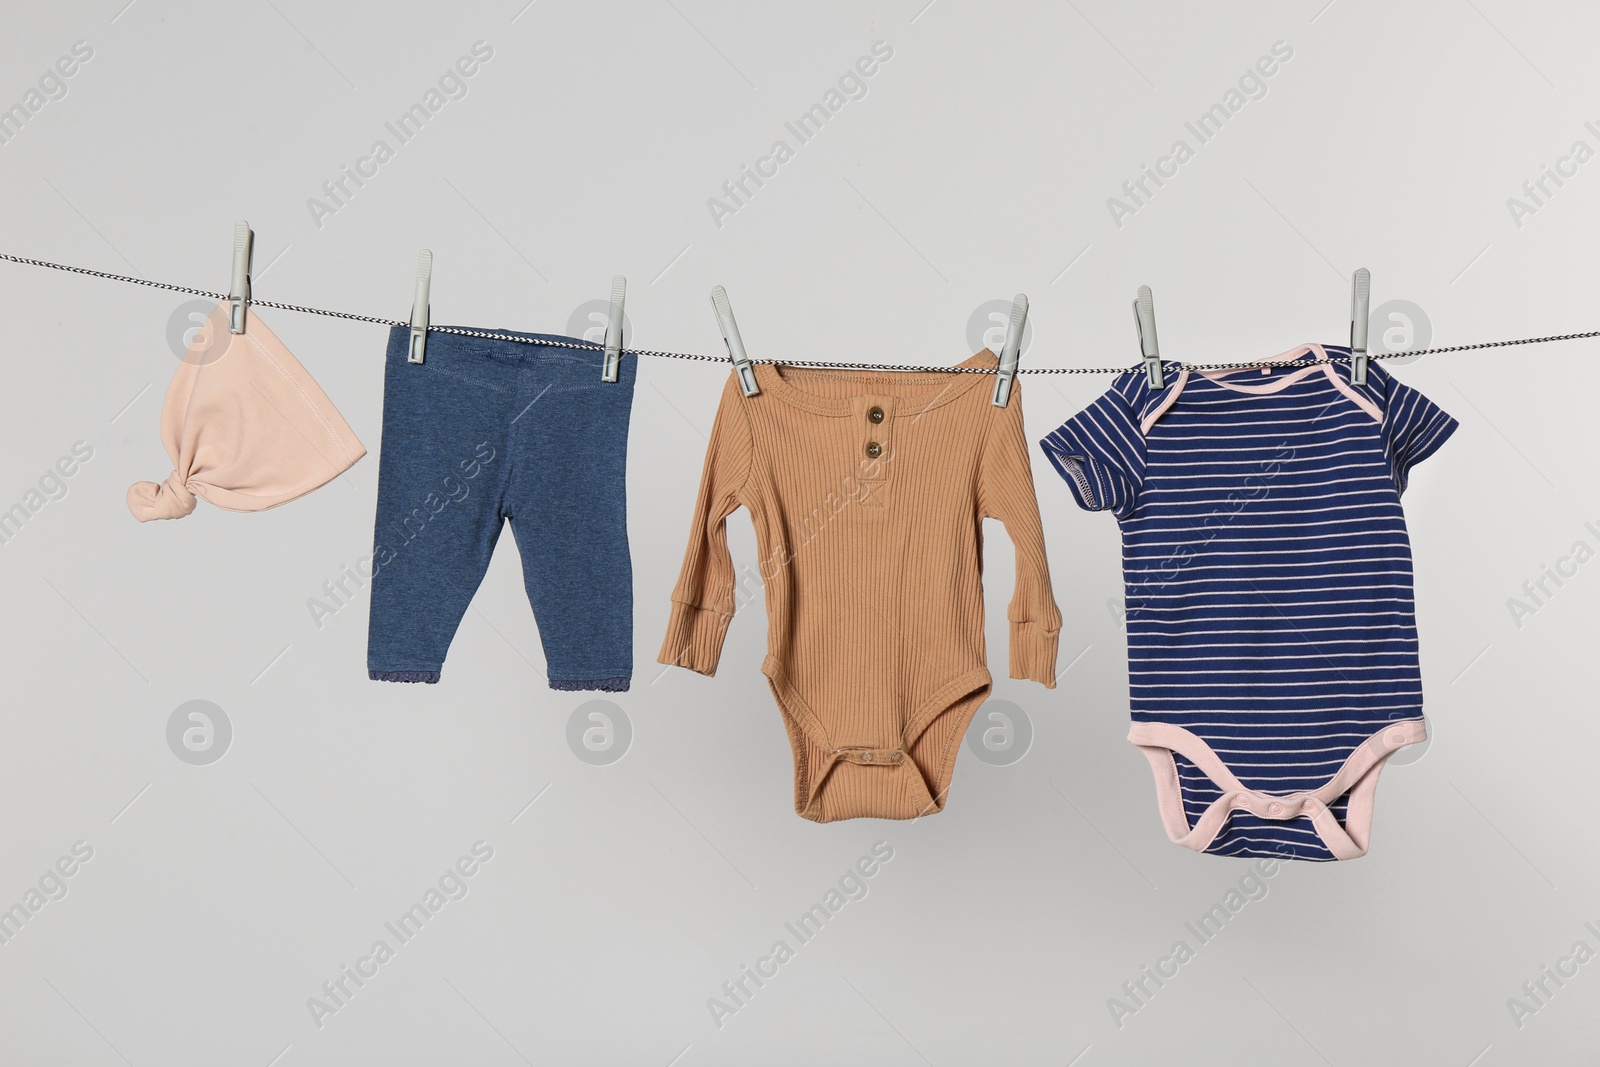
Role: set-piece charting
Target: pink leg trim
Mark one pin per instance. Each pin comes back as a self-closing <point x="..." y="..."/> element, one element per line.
<point x="1169" y="796"/>
<point x="1358" y="776"/>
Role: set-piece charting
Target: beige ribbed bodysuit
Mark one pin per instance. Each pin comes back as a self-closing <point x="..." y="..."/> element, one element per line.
<point x="867" y="490"/>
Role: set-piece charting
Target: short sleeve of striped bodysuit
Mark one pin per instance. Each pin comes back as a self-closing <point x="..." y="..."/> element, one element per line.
<point x="1413" y="426"/>
<point x="1100" y="452"/>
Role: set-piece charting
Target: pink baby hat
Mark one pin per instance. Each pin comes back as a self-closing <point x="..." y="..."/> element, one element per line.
<point x="246" y="426"/>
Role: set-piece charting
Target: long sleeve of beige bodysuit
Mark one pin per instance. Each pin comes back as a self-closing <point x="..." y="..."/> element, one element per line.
<point x="703" y="600"/>
<point x="1005" y="492"/>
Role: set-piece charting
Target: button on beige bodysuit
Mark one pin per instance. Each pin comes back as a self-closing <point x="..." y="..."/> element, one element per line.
<point x="867" y="490"/>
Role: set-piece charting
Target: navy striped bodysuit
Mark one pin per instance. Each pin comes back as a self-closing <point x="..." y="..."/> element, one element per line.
<point x="1272" y="639"/>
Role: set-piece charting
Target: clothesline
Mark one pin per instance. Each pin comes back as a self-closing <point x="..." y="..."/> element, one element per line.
<point x="825" y="364"/>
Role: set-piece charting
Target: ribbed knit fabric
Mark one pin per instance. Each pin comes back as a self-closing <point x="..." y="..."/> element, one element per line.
<point x="867" y="491"/>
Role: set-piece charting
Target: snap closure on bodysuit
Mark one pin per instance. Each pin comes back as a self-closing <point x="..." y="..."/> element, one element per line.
<point x="870" y="755"/>
<point x="1274" y="807"/>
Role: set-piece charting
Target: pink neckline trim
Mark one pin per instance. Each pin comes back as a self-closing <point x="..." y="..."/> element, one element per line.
<point x="1356" y="396"/>
<point x="1277" y="384"/>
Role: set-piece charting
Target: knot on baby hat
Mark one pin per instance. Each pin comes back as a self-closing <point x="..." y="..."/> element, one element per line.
<point x="246" y="426"/>
<point x="170" y="499"/>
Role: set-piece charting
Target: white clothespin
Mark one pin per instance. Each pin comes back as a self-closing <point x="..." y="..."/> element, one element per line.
<point x="730" y="337"/>
<point x="420" y="309"/>
<point x="1012" y="352"/>
<point x="1360" y="313"/>
<point x="239" y="289"/>
<point x="1144" y="314"/>
<point x="613" y="360"/>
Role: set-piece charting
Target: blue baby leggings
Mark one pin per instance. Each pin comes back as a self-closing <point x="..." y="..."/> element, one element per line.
<point x="484" y="432"/>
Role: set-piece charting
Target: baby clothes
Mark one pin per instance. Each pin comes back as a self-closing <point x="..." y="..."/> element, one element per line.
<point x="486" y="432"/>
<point x="1272" y="640"/>
<point x="246" y="425"/>
<point x="867" y="490"/>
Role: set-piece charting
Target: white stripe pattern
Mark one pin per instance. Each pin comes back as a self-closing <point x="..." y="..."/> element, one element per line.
<point x="1268" y="575"/>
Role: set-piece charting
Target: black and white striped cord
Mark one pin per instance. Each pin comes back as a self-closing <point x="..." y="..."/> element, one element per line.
<point x="818" y="364"/>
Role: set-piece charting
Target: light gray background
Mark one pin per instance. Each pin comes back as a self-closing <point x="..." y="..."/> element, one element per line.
<point x="219" y="898"/>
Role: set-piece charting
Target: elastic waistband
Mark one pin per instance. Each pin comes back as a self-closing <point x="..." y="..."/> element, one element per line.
<point x="533" y="346"/>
